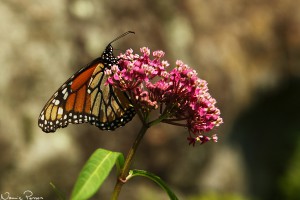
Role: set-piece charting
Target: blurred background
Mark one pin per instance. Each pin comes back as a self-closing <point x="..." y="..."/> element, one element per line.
<point x="248" y="51"/>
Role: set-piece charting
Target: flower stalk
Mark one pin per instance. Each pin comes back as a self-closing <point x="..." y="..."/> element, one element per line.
<point x="128" y="161"/>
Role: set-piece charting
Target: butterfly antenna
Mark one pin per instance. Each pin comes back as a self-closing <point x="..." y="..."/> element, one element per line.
<point x="120" y="36"/>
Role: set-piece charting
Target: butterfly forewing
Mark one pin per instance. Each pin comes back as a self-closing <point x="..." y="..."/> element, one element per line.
<point x="86" y="98"/>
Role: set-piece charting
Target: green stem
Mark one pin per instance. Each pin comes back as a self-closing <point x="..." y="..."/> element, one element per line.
<point x="124" y="173"/>
<point x="158" y="120"/>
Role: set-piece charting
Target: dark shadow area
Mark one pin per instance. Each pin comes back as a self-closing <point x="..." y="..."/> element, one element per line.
<point x="267" y="134"/>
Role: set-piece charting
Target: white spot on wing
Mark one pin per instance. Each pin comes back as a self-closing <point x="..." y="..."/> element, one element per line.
<point x="56" y="102"/>
<point x="60" y="111"/>
<point x="64" y="91"/>
<point x="66" y="95"/>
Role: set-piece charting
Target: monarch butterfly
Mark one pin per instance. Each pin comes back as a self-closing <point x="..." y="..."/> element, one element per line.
<point x="85" y="97"/>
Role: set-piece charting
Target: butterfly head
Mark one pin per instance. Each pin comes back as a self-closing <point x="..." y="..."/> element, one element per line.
<point x="108" y="56"/>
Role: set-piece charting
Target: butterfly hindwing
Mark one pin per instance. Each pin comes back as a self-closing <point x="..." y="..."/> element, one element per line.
<point x="110" y="107"/>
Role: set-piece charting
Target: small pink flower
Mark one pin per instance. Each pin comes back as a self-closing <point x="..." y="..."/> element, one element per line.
<point x="181" y="97"/>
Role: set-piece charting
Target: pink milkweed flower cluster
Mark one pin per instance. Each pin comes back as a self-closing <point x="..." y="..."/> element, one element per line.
<point x="180" y="96"/>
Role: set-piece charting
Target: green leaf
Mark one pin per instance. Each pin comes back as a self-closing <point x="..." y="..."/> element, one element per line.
<point x="154" y="178"/>
<point x="94" y="172"/>
<point x="60" y="195"/>
<point x="120" y="163"/>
